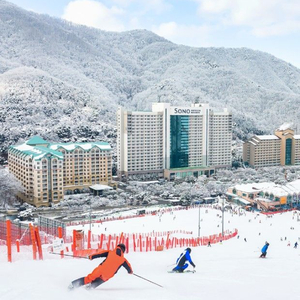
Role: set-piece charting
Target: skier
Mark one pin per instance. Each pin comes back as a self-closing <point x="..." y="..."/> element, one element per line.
<point x="106" y="270"/>
<point x="264" y="250"/>
<point x="296" y="245"/>
<point x="181" y="264"/>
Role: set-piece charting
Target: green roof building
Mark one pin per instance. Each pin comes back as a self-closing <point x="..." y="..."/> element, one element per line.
<point x="50" y="170"/>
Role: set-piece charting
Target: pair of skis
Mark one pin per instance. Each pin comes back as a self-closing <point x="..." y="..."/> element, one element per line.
<point x="186" y="271"/>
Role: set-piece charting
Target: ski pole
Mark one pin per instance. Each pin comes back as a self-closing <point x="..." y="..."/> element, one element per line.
<point x="147" y="280"/>
<point x="171" y="265"/>
<point x="69" y="255"/>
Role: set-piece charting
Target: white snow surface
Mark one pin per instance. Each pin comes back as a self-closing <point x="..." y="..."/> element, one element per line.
<point x="285" y="126"/>
<point x="268" y="137"/>
<point x="228" y="270"/>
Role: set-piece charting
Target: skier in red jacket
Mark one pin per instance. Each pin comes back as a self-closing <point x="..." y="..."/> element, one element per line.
<point x="106" y="270"/>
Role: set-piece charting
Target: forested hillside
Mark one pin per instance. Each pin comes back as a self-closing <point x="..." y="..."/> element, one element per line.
<point x="65" y="82"/>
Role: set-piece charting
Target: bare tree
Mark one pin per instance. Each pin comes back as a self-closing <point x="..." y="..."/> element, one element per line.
<point x="9" y="188"/>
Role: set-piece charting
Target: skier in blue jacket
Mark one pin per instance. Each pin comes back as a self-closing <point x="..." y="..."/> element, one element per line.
<point x="181" y="264"/>
<point x="264" y="250"/>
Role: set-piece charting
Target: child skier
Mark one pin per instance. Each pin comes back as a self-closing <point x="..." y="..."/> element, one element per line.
<point x="106" y="270"/>
<point x="181" y="264"/>
<point x="264" y="250"/>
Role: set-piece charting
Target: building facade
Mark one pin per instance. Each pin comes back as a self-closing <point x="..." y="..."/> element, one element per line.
<point x="267" y="195"/>
<point x="280" y="149"/>
<point x="49" y="170"/>
<point x="139" y="142"/>
<point x="173" y="141"/>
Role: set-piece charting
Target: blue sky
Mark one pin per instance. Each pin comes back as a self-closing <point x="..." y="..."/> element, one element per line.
<point x="271" y="26"/>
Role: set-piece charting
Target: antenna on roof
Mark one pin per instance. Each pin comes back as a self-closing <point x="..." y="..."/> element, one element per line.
<point x="158" y="94"/>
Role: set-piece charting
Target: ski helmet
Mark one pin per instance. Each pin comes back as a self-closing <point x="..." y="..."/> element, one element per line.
<point x="189" y="250"/>
<point x="122" y="246"/>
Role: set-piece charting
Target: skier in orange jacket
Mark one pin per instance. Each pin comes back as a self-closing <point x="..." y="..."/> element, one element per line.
<point x="107" y="269"/>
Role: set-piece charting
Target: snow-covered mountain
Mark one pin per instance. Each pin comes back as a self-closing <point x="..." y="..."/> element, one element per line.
<point x="64" y="81"/>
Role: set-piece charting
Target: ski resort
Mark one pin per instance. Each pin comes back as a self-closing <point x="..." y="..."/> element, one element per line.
<point x="149" y="150"/>
<point x="223" y="270"/>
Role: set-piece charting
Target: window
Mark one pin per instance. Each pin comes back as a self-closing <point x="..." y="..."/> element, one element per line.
<point x="179" y="141"/>
<point x="288" y="152"/>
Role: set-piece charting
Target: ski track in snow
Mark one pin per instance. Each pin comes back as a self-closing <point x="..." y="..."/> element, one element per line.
<point x="231" y="270"/>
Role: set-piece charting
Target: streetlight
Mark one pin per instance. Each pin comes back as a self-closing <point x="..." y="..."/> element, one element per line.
<point x="223" y="216"/>
<point x="199" y="221"/>
<point x="90" y="202"/>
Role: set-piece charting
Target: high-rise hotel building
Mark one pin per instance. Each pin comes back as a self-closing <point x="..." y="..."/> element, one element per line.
<point x="280" y="149"/>
<point x="49" y="170"/>
<point x="173" y="141"/>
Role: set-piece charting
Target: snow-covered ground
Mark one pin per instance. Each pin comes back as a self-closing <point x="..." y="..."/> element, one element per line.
<point x="231" y="270"/>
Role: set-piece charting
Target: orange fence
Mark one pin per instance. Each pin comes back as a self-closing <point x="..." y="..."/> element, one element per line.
<point x="12" y="235"/>
<point x="83" y="245"/>
<point x="277" y="212"/>
<point x="155" y="241"/>
<point x="17" y="231"/>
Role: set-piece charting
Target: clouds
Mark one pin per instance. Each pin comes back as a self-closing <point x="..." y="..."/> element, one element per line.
<point x="259" y="18"/>
<point x="264" y="18"/>
<point x="156" y="6"/>
<point x="121" y="15"/>
<point x="191" y="35"/>
<point x="136" y="14"/>
<point x="94" y="14"/>
<point x="260" y="24"/>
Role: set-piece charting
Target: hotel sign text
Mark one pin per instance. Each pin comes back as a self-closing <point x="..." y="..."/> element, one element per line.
<point x="185" y="111"/>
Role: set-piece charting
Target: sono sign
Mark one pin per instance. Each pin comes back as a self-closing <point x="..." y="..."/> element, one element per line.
<point x="185" y="111"/>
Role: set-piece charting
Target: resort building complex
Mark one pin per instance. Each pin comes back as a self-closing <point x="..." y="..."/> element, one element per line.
<point x="47" y="171"/>
<point x="172" y="141"/>
<point x="266" y="195"/>
<point x="281" y="149"/>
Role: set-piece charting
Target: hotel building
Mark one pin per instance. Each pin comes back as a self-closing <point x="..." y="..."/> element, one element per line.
<point x="173" y="141"/>
<point x="281" y="149"/>
<point x="47" y="171"/>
